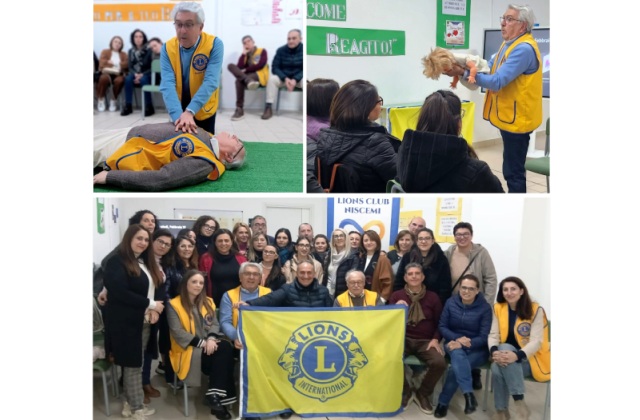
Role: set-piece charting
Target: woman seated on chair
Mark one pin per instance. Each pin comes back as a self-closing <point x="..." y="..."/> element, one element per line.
<point x="434" y="158"/>
<point x="464" y="325"/>
<point x="197" y="345"/>
<point x="519" y="346"/>
<point x="356" y="141"/>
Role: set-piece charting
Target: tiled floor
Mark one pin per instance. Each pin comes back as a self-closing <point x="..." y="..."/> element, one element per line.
<point x="283" y="128"/>
<point x="170" y="406"/>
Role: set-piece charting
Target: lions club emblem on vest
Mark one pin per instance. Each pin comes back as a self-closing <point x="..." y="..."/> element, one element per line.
<point x="183" y="146"/>
<point x="322" y="359"/>
<point x="200" y="62"/>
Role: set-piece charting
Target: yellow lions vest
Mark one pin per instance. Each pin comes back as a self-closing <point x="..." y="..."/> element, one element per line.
<point x="541" y="361"/>
<point x="369" y="299"/>
<point x="263" y="73"/>
<point x="234" y="296"/>
<point x="181" y="358"/>
<point x="140" y="154"/>
<point x="197" y="69"/>
<point x="517" y="107"/>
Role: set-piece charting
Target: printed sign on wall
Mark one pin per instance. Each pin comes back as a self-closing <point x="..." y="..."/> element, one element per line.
<point x="327" y="10"/>
<point x="349" y="42"/>
<point x="452" y="26"/>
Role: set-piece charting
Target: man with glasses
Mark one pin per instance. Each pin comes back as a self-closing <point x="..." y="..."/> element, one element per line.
<point x="156" y="158"/>
<point x="465" y="257"/>
<point x="191" y="63"/>
<point x="259" y="225"/>
<point x="286" y="69"/>
<point x="513" y="102"/>
<point x="356" y="294"/>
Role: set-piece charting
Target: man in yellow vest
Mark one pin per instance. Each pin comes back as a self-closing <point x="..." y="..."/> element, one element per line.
<point x="251" y="72"/>
<point x="250" y="278"/>
<point x="356" y="294"/>
<point x="513" y="102"/>
<point x="191" y="63"/>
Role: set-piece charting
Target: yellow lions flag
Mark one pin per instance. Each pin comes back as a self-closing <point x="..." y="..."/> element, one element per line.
<point x="322" y="361"/>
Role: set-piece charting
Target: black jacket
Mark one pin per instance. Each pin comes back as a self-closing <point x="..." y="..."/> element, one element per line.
<point x="288" y="63"/>
<point x="437" y="276"/>
<point x="430" y="162"/>
<point x="369" y="151"/>
<point x="296" y="295"/>
<point x="347" y="264"/>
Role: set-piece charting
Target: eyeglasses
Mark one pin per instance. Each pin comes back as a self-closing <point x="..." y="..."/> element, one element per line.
<point x="239" y="150"/>
<point x="209" y="227"/>
<point x="462" y="235"/>
<point x="468" y="289"/>
<point x="508" y="19"/>
<point x="188" y="26"/>
<point x="380" y="101"/>
<point x="339" y="235"/>
<point x="251" y="273"/>
<point x="268" y="252"/>
<point x="163" y="243"/>
<point x="303" y="246"/>
<point x="186" y="246"/>
<point x="424" y="239"/>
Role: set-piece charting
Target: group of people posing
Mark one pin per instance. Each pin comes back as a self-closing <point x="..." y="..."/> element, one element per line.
<point x="165" y="290"/>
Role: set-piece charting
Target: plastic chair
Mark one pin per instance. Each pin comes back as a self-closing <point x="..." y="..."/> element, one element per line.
<point x="103" y="366"/>
<point x="394" y="187"/>
<point x="155" y="68"/>
<point x="296" y="89"/>
<point x="541" y="165"/>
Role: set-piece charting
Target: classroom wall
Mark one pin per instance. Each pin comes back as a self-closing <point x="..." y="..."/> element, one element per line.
<point x="223" y="18"/>
<point x="399" y="79"/>
<point x="515" y="231"/>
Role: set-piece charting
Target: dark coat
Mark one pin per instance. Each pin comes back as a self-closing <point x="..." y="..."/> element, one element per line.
<point x="429" y="162"/>
<point x="296" y="295"/>
<point x="368" y="150"/>
<point x="126" y="305"/>
<point x="288" y="62"/>
<point x="347" y="264"/>
<point x="437" y="276"/>
<point x="472" y="321"/>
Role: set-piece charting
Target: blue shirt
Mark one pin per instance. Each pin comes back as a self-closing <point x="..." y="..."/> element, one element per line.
<point x="209" y="84"/>
<point x="226" y="311"/>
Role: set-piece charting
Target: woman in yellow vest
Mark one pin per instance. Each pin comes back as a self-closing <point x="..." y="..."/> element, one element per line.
<point x="519" y="346"/>
<point x="196" y="342"/>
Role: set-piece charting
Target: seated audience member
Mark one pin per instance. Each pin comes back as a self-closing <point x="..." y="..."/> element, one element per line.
<point x="422" y="335"/>
<point x="251" y="72"/>
<point x="155" y="45"/>
<point x="519" y="347"/>
<point x="434" y="158"/>
<point x="250" y="277"/>
<point x="302" y="253"/>
<point x="197" y="344"/>
<point x="366" y="149"/>
<point x="320" y="93"/>
<point x="272" y="275"/>
<point x="286" y="69"/>
<point x="112" y="66"/>
<point x="375" y="265"/>
<point x="435" y="265"/>
<point x="221" y="264"/>
<point x="464" y="325"/>
<point x="403" y="243"/>
<point x="139" y="72"/>
<point x="356" y="294"/>
<point x="169" y="159"/>
<point x="305" y="291"/>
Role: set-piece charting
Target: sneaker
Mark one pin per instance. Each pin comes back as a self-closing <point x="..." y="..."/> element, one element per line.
<point x="101" y="105"/>
<point x="126" y="110"/>
<point x="253" y="85"/>
<point x="160" y="368"/>
<point x="112" y="105"/>
<point x="424" y="404"/>
<point x="268" y="113"/>
<point x="146" y="410"/>
<point x="238" y="115"/>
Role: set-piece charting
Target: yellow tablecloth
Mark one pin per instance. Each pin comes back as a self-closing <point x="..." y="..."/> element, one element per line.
<point x="400" y="118"/>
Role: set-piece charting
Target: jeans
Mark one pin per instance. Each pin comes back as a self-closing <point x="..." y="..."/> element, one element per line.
<point x="129" y="85"/>
<point x="513" y="159"/>
<point x="459" y="374"/>
<point x="508" y="380"/>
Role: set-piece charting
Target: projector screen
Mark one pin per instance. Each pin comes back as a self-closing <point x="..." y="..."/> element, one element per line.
<point x="175" y="225"/>
<point x="493" y="40"/>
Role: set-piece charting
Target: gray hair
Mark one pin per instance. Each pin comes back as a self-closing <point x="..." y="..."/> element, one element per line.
<point x="525" y="14"/>
<point x="351" y="272"/>
<point x="189" y="6"/>
<point x="246" y="264"/>
<point x="237" y="163"/>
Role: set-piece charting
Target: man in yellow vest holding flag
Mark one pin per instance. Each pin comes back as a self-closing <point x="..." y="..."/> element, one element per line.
<point x="251" y="72"/>
<point x="191" y="63"/>
<point x="513" y="102"/>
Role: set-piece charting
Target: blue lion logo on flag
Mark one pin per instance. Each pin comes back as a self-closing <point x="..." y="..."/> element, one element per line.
<point x="322" y="359"/>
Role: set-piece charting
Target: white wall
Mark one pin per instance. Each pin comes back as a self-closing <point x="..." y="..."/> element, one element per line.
<point x="399" y="79"/>
<point x="515" y="230"/>
<point x="223" y="19"/>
